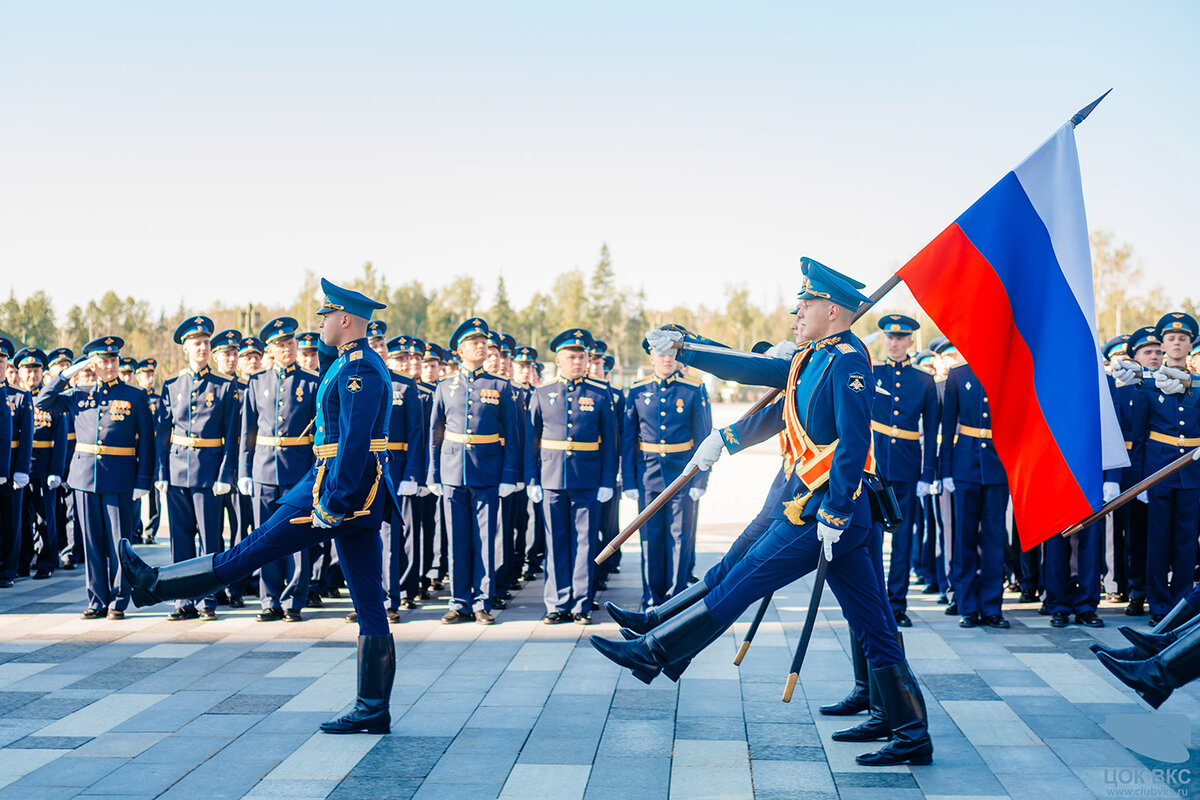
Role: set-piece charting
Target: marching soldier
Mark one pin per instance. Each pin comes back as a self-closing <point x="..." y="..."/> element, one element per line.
<point x="666" y="417"/>
<point x="406" y="464"/>
<point x="200" y="467"/>
<point x="144" y="375"/>
<point x="570" y="467"/>
<point x="113" y="465"/>
<point x="306" y="351"/>
<point x="17" y="466"/>
<point x="49" y="463"/>
<point x="275" y="454"/>
<point x="341" y="497"/>
<point x="905" y="426"/>
<point x="434" y="548"/>
<point x="471" y="468"/>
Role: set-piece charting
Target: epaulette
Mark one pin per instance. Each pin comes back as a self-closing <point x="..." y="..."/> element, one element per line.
<point x="643" y="380"/>
<point x="688" y="381"/>
<point x="845" y="348"/>
<point x="220" y="375"/>
<point x="596" y="383"/>
<point x="312" y="372"/>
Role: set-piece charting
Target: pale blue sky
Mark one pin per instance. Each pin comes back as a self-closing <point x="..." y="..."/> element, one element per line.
<point x="216" y="150"/>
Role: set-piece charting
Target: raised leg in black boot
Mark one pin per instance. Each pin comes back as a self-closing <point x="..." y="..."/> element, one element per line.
<point x="672" y="644"/>
<point x="1156" y="677"/>
<point x="644" y="622"/>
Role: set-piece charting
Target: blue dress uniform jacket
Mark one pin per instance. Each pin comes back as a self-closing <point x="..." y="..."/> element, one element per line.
<point x="1166" y="426"/>
<point x="20" y="406"/>
<point x="49" y="444"/>
<point x="162" y="426"/>
<point x="203" y="413"/>
<point x="277" y="408"/>
<point x="571" y="437"/>
<point x="665" y="421"/>
<point x="114" y="434"/>
<point x="965" y="454"/>
<point x="406" y="434"/>
<point x="905" y="422"/>
<point x="6" y="428"/>
<point x="470" y="426"/>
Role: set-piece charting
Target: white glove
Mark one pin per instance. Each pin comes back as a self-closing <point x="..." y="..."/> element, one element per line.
<point x="935" y="487"/>
<point x="423" y="491"/>
<point x="317" y="522"/>
<point x="1169" y="380"/>
<point x="505" y="489"/>
<point x="632" y="494"/>
<point x="923" y="488"/>
<point x="1144" y="497"/>
<point x="707" y="453"/>
<point x="407" y="488"/>
<point x="20" y="480"/>
<point x="695" y="493"/>
<point x="160" y="486"/>
<point x="604" y="494"/>
<point x="138" y="494"/>
<point x="1126" y="373"/>
<point x="663" y="342"/>
<point x="246" y="486"/>
<point x="948" y="485"/>
<point x="535" y="492"/>
<point x="3" y="480"/>
<point x="1111" y="490"/>
<point x="828" y="536"/>
<point x="785" y="349"/>
<point x="520" y="485"/>
<point x="220" y="488"/>
<point x="436" y="488"/>
<point x="53" y="481"/>
<point x="75" y="369"/>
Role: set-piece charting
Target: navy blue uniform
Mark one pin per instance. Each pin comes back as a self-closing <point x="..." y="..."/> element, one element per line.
<point x="905" y="425"/>
<point x="471" y="421"/>
<point x="347" y="487"/>
<point x="518" y="538"/>
<point x="202" y="408"/>
<point x="571" y="451"/>
<point x="20" y="408"/>
<point x="406" y="462"/>
<point x="276" y="453"/>
<point x="426" y="511"/>
<point x="665" y="420"/>
<point x="980" y="495"/>
<point x="40" y="516"/>
<point x="1131" y="404"/>
<point x="238" y="507"/>
<point x="162" y="440"/>
<point x="114" y="454"/>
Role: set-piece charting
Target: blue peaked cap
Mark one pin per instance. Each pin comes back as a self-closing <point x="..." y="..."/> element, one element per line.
<point x="574" y="338"/>
<point x="104" y="346"/>
<point x="278" y="329"/>
<point x="824" y="283"/>
<point x="897" y="325"/>
<point x="348" y="300"/>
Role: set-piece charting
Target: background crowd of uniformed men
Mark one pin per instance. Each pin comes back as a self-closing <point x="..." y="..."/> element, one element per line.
<point x="503" y="474"/>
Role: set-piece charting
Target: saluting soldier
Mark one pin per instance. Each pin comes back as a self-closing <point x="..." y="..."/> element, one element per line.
<point x="471" y="468"/>
<point x="47" y="468"/>
<point x="406" y="464"/>
<point x="19" y="462"/>
<point x="434" y="549"/>
<point x="113" y="465"/>
<point x="144" y="375"/>
<point x="571" y="468"/>
<point x="666" y="418"/>
<point x="275" y="454"/>
<point x="905" y="426"/>
<point x="200" y="467"/>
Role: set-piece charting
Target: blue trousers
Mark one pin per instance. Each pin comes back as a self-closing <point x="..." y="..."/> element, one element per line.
<point x="192" y="512"/>
<point x="11" y="502"/>
<point x="284" y="576"/>
<point x="977" y="563"/>
<point x="902" y="546"/>
<point x="572" y="535"/>
<point x="666" y="548"/>
<point x="41" y="521"/>
<point x="785" y="552"/>
<point x="425" y="519"/>
<point x="1057" y="553"/>
<point x="535" y="545"/>
<point x="359" y="552"/>
<point x="470" y="513"/>
<point x="104" y="518"/>
<point x="1172" y="521"/>
<point x="401" y="556"/>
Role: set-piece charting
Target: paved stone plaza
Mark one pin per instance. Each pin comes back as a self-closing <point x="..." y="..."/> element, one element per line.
<point x="149" y="708"/>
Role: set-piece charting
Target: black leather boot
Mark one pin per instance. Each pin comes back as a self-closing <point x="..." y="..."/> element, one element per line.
<point x="676" y="641"/>
<point x="150" y="585"/>
<point x="644" y="622"/>
<point x="1180" y="619"/>
<point x="905" y="708"/>
<point x="376" y="673"/>
<point x="1156" y="677"/>
<point x="857" y="701"/>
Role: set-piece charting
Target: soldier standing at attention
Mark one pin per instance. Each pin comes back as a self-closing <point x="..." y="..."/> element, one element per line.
<point x="571" y="468"/>
<point x="524" y="358"/>
<point x="600" y="365"/>
<point x="471" y="468"/>
<point x="19" y="446"/>
<point x="144" y="375"/>
<point x="200" y="467"/>
<point x="113" y="465"/>
<point x="406" y="464"/>
<point x="47" y="468"/>
<point x="434" y="565"/>
<point x="306" y="351"/>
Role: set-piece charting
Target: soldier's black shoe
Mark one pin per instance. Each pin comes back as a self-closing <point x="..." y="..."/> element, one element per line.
<point x="951" y="609"/>
<point x="601" y="585"/>
<point x="1089" y="618"/>
<point x="1060" y="619"/>
<point x="875" y="727"/>
<point x="583" y="619"/>
<point x="376" y="673"/>
<point x="971" y="620"/>
<point x="269" y="615"/>
<point x="931" y="588"/>
<point x="292" y="615"/>
<point x="484" y="617"/>
<point x="191" y="578"/>
<point x="314" y="600"/>
<point x="333" y="593"/>
<point x="996" y="621"/>
<point x="237" y="602"/>
<point x="454" y="616"/>
<point x="904" y="707"/>
<point x="188" y="612"/>
<point x="6" y="583"/>
<point x="528" y="576"/>
<point x="208" y="614"/>
<point x="116" y="614"/>
<point x="393" y="615"/>
<point x="557" y="618"/>
<point x="1156" y="677"/>
<point x="857" y="701"/>
<point x="647" y="621"/>
<point x="352" y="616"/>
<point x="94" y="613"/>
<point x="902" y="619"/>
<point x="943" y="600"/>
<point x="1028" y="597"/>
<point x="1149" y="644"/>
<point x="1136" y="607"/>
<point x="42" y="574"/>
<point x="499" y="603"/>
<point x="408" y="604"/>
<point x="672" y="644"/>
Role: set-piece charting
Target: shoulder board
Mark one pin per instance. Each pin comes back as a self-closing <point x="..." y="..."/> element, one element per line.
<point x="848" y="349"/>
<point x="596" y="383"/>
<point x="312" y="372"/>
<point x="182" y="372"/>
<point x="688" y="381"/>
<point x="220" y="375"/>
<point x="643" y="380"/>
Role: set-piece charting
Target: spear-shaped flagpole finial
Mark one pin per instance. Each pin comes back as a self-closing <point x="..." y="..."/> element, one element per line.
<point x="1082" y="114"/>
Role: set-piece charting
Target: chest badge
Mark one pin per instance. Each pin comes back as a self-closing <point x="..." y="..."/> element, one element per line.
<point x="967" y="386"/>
<point x="553" y="397"/>
<point x="678" y="405"/>
<point x="856" y="382"/>
<point x="353" y="384"/>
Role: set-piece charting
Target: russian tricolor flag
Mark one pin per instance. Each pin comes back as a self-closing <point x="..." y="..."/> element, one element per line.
<point x="1010" y="282"/>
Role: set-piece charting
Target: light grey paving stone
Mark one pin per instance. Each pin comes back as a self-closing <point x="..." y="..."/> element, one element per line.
<point x="546" y="782"/>
<point x="297" y="789"/>
<point x="220" y="725"/>
<point x="507" y="717"/>
<point x="194" y="750"/>
<point x="1092" y="753"/>
<point x="461" y="791"/>
<point x="487" y="740"/>
<point x="70" y="770"/>
<point x="1026" y="786"/>
<point x="559" y="749"/>
<point x="473" y="768"/>
<point x="217" y="781"/>
<point x="631" y="738"/>
<point x="119" y="745"/>
<point x="140" y="778"/>
<point x="938" y="779"/>
<point x="705" y="769"/>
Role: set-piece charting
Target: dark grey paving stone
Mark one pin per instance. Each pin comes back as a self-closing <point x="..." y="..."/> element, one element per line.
<point x="51" y="708"/>
<point x="11" y="701"/>
<point x="1011" y="677"/>
<point x="783" y="734"/>
<point x="634" y="775"/>
<point x="355" y="788"/>
<point x="958" y="687"/>
<point x="723" y="728"/>
<point x="250" y="704"/>
<point x="402" y="757"/>
<point x="30" y="792"/>
<point x="1027" y="704"/>
<point x="1064" y="726"/>
<point x="895" y="780"/>
<point x="227" y="725"/>
<point x="193" y="750"/>
<point x="873" y="793"/>
<point x="57" y="653"/>
<point x="269" y="655"/>
<point x="793" y="794"/>
<point x="775" y="712"/>
<point x="616" y="793"/>
<point x="70" y="770"/>
<point x="783" y="752"/>
<point x="49" y="742"/>
<point x="213" y="781"/>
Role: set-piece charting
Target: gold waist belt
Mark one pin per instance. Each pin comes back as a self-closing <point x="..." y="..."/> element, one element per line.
<point x="283" y="441"/>
<point x="975" y="433"/>
<point x="663" y="449"/>
<point x="473" y="438"/>
<point x="1174" y="441"/>
<point x="194" y="441"/>
<point x="43" y="445"/>
<point x="397" y="446"/>
<point x="331" y="450"/>
<point x="104" y="450"/>
<point x="558" y="444"/>
<point x="894" y="432"/>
